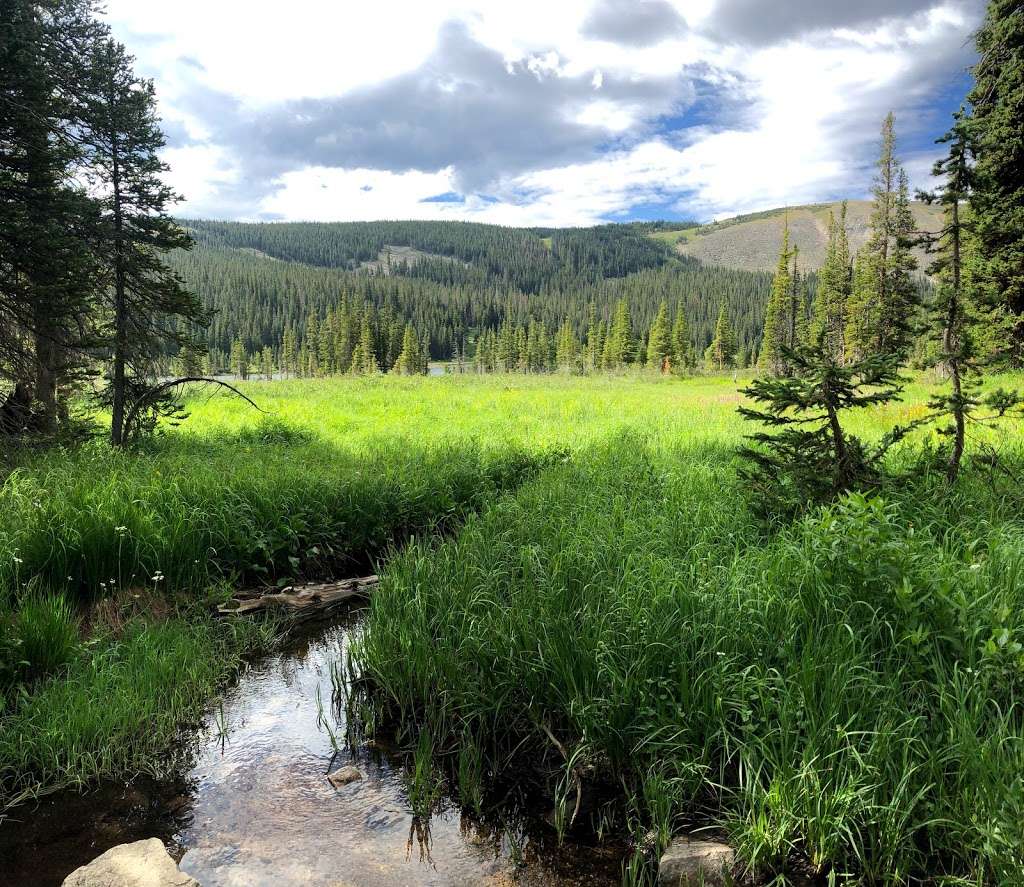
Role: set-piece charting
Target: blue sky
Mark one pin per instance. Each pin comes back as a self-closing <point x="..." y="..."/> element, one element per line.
<point x="541" y="113"/>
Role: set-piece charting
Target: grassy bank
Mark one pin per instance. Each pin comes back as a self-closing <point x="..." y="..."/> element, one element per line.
<point x="843" y="695"/>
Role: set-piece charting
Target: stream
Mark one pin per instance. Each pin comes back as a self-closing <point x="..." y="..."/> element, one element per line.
<point x="250" y="805"/>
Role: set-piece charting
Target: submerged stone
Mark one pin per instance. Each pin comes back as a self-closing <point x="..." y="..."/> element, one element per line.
<point x="139" y="864"/>
<point x="343" y="776"/>
<point x="690" y="863"/>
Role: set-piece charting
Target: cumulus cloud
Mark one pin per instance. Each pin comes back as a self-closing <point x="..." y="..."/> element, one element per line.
<point x="550" y="114"/>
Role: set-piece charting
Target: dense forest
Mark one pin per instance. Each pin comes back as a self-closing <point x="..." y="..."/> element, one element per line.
<point x="466" y="281"/>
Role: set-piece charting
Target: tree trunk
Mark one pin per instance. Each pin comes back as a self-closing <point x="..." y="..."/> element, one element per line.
<point x="120" y="308"/>
<point x="951" y="345"/>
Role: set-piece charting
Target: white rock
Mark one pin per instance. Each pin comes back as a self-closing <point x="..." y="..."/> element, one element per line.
<point x="140" y="864"/>
<point x="689" y="863"/>
<point x="343" y="776"/>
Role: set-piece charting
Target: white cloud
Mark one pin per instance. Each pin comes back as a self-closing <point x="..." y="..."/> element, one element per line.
<point x="788" y="122"/>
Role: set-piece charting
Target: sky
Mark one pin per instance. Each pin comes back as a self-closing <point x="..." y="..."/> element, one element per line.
<point x="541" y="112"/>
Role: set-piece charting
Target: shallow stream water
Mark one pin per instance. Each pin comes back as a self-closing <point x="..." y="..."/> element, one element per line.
<point x="252" y="807"/>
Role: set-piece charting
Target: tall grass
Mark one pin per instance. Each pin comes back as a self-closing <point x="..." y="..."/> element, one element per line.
<point x="846" y="692"/>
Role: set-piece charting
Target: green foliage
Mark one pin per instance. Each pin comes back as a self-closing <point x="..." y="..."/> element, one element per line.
<point x="997" y="133"/>
<point x="882" y="307"/>
<point x="844" y="694"/>
<point x="721" y="353"/>
<point x="805" y="457"/>
<point x="47" y="629"/>
<point x="835" y="285"/>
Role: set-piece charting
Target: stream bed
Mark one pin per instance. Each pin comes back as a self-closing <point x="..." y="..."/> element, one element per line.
<point x="250" y="804"/>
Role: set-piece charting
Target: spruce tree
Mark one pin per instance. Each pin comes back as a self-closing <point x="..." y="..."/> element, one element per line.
<point x="49" y="275"/>
<point x="721" y="353"/>
<point x="881" y="311"/>
<point x="778" y="315"/>
<point x="996" y="131"/>
<point x="682" y="350"/>
<point x="952" y="306"/>
<point x="409" y="360"/>
<point x="620" y="345"/>
<point x="835" y="283"/>
<point x="659" y="344"/>
<point x="567" y="349"/>
<point x="150" y="307"/>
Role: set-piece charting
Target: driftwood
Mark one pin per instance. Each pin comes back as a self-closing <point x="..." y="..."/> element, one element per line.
<point x="301" y="602"/>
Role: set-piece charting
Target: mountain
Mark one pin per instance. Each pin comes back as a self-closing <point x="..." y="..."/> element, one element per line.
<point x="751" y="242"/>
<point x="453" y="280"/>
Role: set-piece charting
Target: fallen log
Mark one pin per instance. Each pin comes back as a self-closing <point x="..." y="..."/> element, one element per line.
<point x="301" y="602"/>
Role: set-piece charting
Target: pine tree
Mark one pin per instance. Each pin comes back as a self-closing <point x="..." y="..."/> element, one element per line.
<point x="778" y="312"/>
<point x="288" y="355"/>
<point x="364" y="359"/>
<point x="343" y="343"/>
<point x="804" y="455"/>
<point x="267" y="362"/>
<point x="410" y="359"/>
<point x="798" y="322"/>
<point x="951" y="309"/>
<point x="881" y="310"/>
<point x="311" y="344"/>
<point x="659" y="344"/>
<point x="996" y="131"/>
<point x="595" y="341"/>
<point x="721" y="353"/>
<point x="682" y="350"/>
<point x="239" y="359"/>
<point x="620" y="347"/>
<point x="567" y="350"/>
<point x="49" y="273"/>
<point x="125" y="140"/>
<point x="835" y="283"/>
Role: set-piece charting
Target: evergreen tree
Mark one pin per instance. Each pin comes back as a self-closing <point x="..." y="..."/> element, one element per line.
<point x="595" y="341"/>
<point x="996" y="131"/>
<point x="620" y="347"/>
<point x="798" y="322"/>
<point x="682" y="351"/>
<point x="364" y="359"/>
<point x="311" y="346"/>
<point x="778" y="313"/>
<point x="567" y="350"/>
<point x="951" y="308"/>
<point x="289" y="357"/>
<point x="659" y="343"/>
<point x="409" y="361"/>
<point x="721" y="353"/>
<point x="49" y="275"/>
<point x="138" y="230"/>
<point x="267" y="362"/>
<point x="882" y="307"/>
<point x="343" y="343"/>
<point x="239" y="360"/>
<point x="835" y="283"/>
<point x="805" y="456"/>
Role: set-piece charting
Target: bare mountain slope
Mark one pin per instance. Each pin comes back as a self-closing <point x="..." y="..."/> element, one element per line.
<point x="751" y="242"/>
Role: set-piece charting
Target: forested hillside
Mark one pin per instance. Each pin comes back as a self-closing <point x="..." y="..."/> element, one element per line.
<point x="263" y="279"/>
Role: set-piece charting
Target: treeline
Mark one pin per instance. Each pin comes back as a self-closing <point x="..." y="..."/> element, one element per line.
<point x="523" y="259"/>
<point x="254" y="299"/>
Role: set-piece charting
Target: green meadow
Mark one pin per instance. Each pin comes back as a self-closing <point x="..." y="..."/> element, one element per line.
<point x="574" y="591"/>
